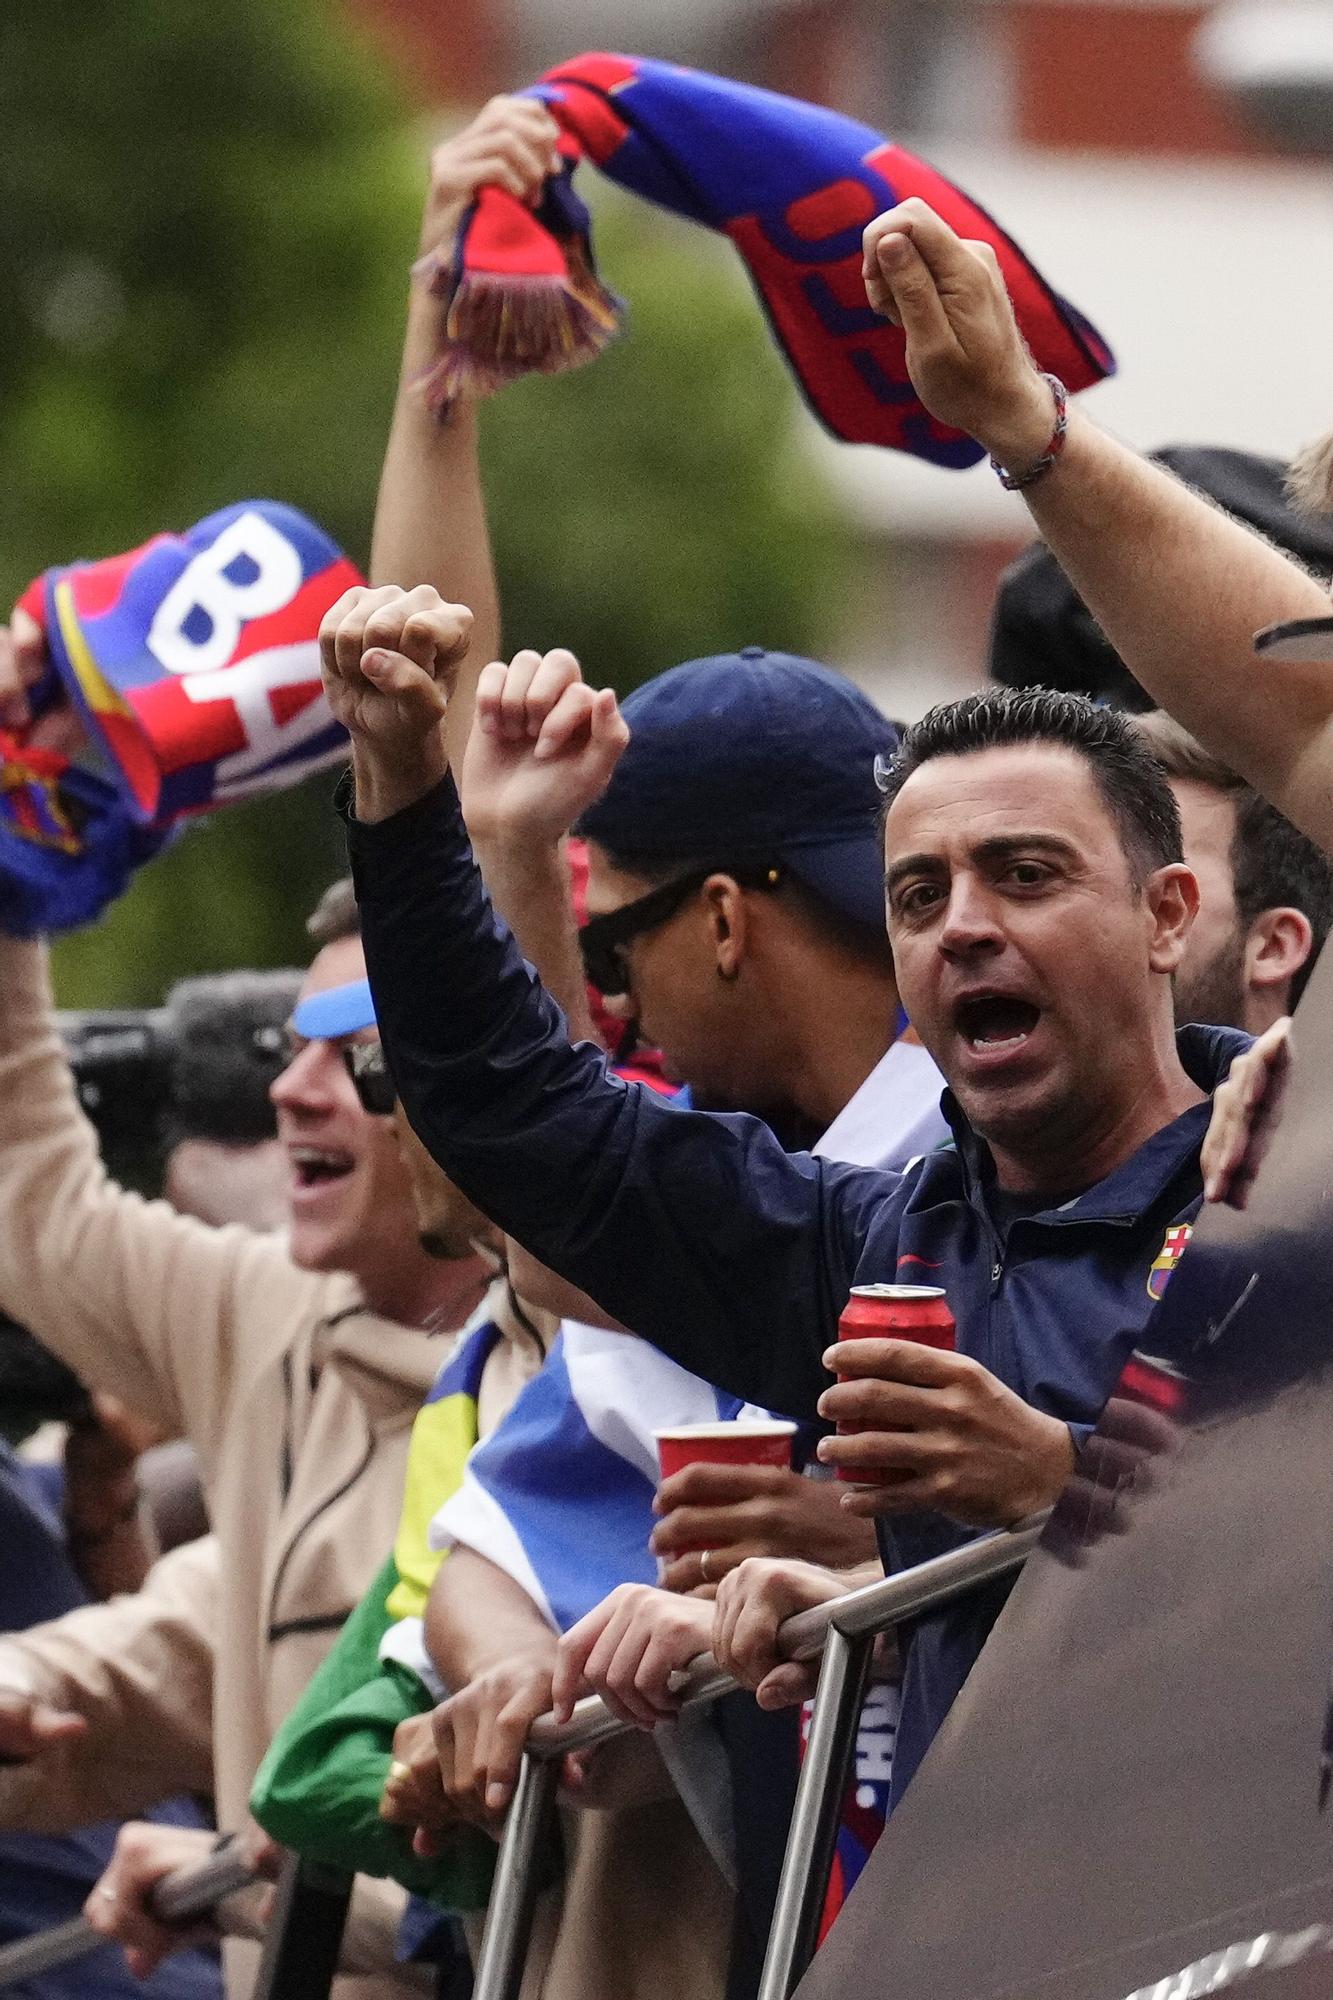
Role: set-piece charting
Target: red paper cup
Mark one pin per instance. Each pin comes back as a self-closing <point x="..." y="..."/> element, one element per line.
<point x="748" y="1441"/>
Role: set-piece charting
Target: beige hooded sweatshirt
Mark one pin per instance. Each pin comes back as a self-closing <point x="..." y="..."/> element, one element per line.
<point x="298" y="1400"/>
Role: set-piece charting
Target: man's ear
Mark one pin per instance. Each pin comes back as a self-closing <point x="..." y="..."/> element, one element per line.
<point x="1172" y="898"/>
<point x="1277" y="944"/>
<point x="728" y="918"/>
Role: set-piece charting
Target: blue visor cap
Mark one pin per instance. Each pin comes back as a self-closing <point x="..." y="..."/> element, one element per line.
<point x="339" y="1010"/>
<point x="753" y="756"/>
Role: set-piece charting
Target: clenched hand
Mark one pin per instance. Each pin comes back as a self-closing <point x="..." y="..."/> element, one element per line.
<point x="389" y="659"/>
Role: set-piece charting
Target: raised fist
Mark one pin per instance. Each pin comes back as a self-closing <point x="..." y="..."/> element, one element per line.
<point x="390" y="658"/>
<point x="542" y="749"/>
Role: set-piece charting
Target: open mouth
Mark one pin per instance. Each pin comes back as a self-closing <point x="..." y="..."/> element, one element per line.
<point x="993" y="1023"/>
<point x="313" y="1166"/>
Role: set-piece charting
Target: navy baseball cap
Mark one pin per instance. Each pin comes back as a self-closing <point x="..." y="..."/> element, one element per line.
<point x="753" y="756"/>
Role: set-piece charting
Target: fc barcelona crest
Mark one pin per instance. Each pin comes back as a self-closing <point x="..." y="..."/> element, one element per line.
<point x="1170" y="1254"/>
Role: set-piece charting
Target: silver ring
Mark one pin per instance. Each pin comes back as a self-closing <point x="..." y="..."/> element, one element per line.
<point x="703" y="1566"/>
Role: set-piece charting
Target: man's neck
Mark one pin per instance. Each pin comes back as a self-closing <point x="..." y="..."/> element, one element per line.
<point x="840" y="1025"/>
<point x="430" y="1292"/>
<point x="1068" y="1162"/>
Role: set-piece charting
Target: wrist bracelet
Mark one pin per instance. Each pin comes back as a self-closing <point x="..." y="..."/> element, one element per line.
<point x="1014" y="482"/>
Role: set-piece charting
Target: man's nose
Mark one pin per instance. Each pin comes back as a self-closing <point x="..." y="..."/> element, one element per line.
<point x="971" y="920"/>
<point x="310" y="1080"/>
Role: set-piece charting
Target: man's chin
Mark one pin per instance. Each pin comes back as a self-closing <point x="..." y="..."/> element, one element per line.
<point x="1015" y="1115"/>
<point x="314" y="1249"/>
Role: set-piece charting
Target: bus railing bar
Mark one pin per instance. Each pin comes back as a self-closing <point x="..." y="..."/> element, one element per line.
<point x="808" y="1860"/>
<point x="504" y="1944"/>
<point x="874" y="1608"/>
<point x="193" y="1892"/>
<point x="304" y="1932"/>
<point x="188" y="1893"/>
<point x="855" y="1619"/>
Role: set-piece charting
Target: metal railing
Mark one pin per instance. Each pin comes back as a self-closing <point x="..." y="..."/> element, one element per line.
<point x="844" y="1632"/>
<point x="301" y="1947"/>
<point x="185" y="1897"/>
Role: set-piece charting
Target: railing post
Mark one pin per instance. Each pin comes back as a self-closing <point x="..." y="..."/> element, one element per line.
<point x="304" y="1934"/>
<point x="504" y="1945"/>
<point x="829" y="1749"/>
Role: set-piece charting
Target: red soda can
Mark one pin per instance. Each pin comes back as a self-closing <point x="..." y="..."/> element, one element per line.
<point x="899" y="1312"/>
<point x="895" y="1312"/>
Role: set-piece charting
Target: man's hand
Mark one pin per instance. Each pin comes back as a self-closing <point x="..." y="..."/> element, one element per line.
<point x="941" y="1432"/>
<point x="738" y="1511"/>
<point x="627" y="1649"/>
<point x="118" y="1907"/>
<point x="752" y="1603"/>
<point x="28" y="1727"/>
<point x="413" y="1793"/>
<point x="966" y="357"/>
<point x="22" y="664"/>
<point x="542" y="749"/>
<point x="389" y="658"/>
<point x="1246" y="1109"/>
<point x="511" y="143"/>
<point x="479" y="1735"/>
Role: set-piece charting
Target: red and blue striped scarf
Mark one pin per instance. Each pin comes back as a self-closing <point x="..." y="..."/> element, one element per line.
<point x="193" y="663"/>
<point x="791" y="184"/>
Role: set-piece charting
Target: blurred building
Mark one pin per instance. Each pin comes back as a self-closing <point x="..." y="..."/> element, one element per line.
<point x="1164" y="163"/>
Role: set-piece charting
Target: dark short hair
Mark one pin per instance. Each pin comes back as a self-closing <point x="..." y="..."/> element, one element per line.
<point x="335" y="916"/>
<point x="1128" y="776"/>
<point x="1273" y="865"/>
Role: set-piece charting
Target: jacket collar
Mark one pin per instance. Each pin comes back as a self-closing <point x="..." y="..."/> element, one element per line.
<point x="390" y="1367"/>
<point x="1206" y="1054"/>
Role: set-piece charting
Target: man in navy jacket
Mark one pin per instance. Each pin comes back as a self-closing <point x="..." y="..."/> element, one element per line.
<point x="1037" y="906"/>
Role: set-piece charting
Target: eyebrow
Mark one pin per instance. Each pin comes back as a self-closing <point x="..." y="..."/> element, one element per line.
<point x="1002" y="848"/>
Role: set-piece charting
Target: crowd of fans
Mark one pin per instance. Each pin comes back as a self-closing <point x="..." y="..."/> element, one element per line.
<point x="413" y="1338"/>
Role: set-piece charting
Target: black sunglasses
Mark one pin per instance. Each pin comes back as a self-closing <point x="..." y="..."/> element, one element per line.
<point x="602" y="939"/>
<point x="369" y="1071"/>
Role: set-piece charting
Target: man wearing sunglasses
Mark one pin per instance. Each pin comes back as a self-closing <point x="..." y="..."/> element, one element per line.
<point x="294" y="1363"/>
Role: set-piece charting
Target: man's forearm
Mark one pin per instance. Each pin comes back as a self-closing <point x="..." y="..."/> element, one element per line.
<point x="529" y="886"/>
<point x="430" y="517"/>
<point x="478" y="1617"/>
<point x="140" y="1672"/>
<point x="385" y="784"/>
<point x="1180" y="589"/>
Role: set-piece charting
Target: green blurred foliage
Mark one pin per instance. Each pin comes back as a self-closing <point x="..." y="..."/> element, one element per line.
<point x="655" y="505"/>
<point x="208" y="219"/>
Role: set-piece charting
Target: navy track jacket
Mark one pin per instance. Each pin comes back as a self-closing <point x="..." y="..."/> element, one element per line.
<point x="699" y="1231"/>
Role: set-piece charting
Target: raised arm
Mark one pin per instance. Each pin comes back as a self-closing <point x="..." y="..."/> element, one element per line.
<point x="542" y="749"/>
<point x="1178" y="587"/>
<point x="430" y="519"/>
<point x="696" y="1230"/>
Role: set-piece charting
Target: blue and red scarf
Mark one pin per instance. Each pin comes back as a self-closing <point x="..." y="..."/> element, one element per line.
<point x="791" y="184"/>
<point x="193" y="663"/>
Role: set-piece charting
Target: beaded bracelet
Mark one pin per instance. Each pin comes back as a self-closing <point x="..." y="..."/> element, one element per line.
<point x="1014" y="482"/>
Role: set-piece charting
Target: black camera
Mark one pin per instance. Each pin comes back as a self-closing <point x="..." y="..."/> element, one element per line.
<point x="122" y="1064"/>
<point x="199" y="1067"/>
